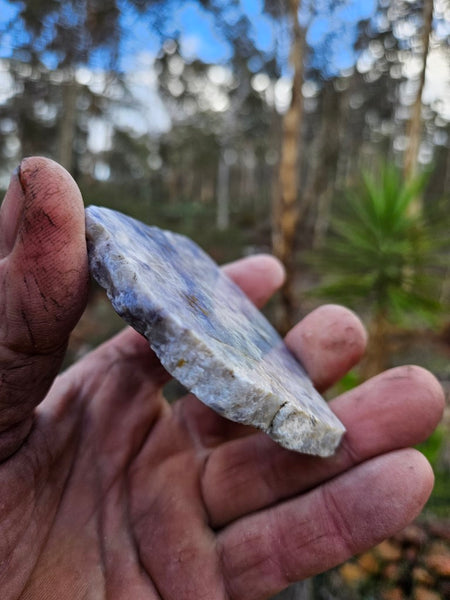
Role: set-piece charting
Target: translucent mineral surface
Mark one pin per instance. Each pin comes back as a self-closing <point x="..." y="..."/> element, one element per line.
<point x="206" y="332"/>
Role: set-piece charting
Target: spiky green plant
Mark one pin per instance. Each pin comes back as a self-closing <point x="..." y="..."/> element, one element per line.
<point x="381" y="257"/>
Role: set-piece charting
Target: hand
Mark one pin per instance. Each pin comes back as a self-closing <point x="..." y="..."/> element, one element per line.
<point x="106" y="491"/>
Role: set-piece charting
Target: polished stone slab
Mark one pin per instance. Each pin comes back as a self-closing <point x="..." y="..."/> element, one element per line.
<point x="206" y="332"/>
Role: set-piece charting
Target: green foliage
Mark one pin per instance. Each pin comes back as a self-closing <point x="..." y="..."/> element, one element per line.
<point x="348" y="382"/>
<point x="381" y="254"/>
<point x="431" y="448"/>
<point x="439" y="503"/>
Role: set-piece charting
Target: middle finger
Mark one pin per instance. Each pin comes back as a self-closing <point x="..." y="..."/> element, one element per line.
<point x="394" y="410"/>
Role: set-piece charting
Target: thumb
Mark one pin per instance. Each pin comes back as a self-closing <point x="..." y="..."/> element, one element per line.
<point x="43" y="288"/>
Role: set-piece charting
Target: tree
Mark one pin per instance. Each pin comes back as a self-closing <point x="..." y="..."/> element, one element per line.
<point x="285" y="208"/>
<point x="383" y="259"/>
<point x="299" y="171"/>
<point x="414" y="128"/>
<point x="395" y="47"/>
<point x="324" y="158"/>
<point x="52" y="40"/>
<point x="66" y="36"/>
<point x="230" y="127"/>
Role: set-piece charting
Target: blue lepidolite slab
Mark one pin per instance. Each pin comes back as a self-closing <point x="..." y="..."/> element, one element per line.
<point x="206" y="332"/>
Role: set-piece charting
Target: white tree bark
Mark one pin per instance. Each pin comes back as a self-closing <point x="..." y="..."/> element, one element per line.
<point x="223" y="193"/>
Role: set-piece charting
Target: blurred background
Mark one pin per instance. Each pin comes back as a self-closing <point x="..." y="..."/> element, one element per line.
<point x="318" y="131"/>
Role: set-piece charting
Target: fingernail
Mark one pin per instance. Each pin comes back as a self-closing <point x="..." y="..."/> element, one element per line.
<point x="11" y="212"/>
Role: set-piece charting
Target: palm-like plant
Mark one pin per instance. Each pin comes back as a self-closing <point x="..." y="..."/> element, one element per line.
<point x="383" y="258"/>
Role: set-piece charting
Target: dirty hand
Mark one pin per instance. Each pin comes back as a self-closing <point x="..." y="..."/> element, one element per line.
<point x="106" y="491"/>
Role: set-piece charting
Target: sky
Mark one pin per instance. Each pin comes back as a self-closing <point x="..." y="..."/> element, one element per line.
<point x="200" y="38"/>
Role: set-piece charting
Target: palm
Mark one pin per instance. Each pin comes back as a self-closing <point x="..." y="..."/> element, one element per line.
<point x="124" y="469"/>
<point x="113" y="493"/>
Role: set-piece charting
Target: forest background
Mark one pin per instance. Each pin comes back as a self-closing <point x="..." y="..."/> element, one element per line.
<point x="315" y="130"/>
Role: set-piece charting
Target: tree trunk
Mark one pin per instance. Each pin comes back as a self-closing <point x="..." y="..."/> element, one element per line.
<point x="377" y="354"/>
<point x="414" y="128"/>
<point x="321" y="224"/>
<point x="68" y="122"/>
<point x="322" y="173"/>
<point x="223" y="193"/>
<point x="285" y="216"/>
